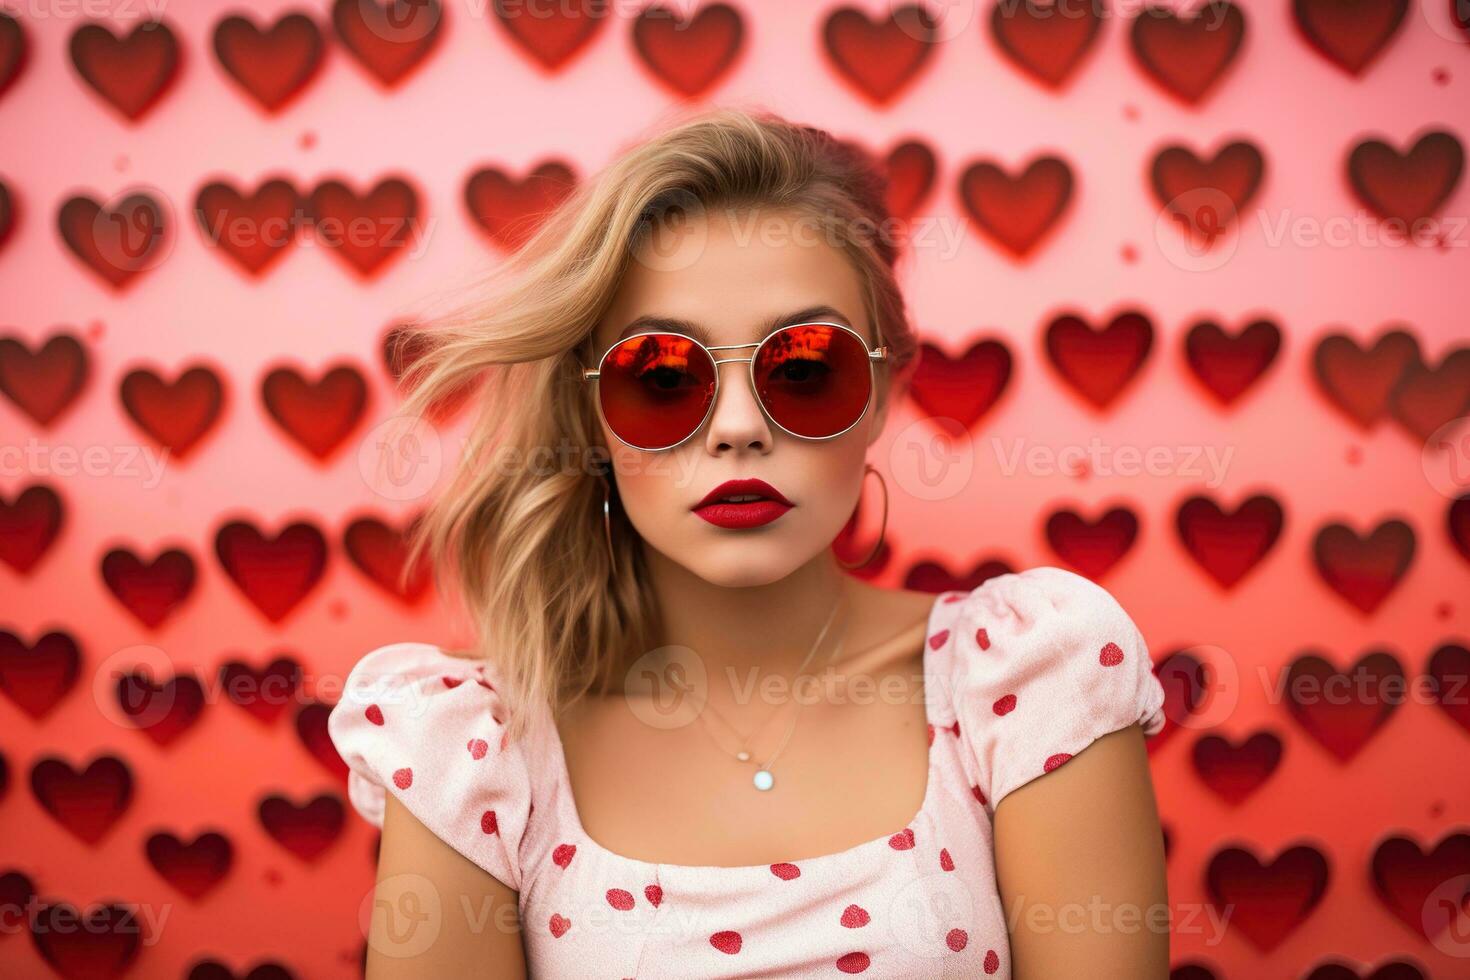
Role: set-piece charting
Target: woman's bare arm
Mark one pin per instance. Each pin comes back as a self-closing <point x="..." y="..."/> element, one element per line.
<point x="435" y="912"/>
<point x="1080" y="859"/>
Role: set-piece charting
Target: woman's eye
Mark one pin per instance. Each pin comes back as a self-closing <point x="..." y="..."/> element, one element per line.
<point x="800" y="370"/>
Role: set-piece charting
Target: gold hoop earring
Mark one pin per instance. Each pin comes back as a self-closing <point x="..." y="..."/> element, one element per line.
<point x="882" y="528"/>
<point x="607" y="521"/>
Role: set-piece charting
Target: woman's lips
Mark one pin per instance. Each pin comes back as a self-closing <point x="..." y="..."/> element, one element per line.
<point x="753" y="513"/>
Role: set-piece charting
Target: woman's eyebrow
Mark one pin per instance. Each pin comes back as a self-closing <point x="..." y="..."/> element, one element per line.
<point x="646" y="323"/>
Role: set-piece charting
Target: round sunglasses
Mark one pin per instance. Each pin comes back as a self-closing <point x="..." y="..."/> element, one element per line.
<point x="812" y="380"/>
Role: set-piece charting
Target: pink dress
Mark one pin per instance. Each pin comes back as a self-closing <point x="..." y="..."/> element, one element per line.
<point x="1021" y="673"/>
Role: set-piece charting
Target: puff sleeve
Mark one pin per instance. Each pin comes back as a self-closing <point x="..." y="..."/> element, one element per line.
<point x="1048" y="662"/>
<point x="427" y="727"/>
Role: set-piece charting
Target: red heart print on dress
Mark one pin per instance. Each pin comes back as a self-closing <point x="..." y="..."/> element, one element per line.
<point x="620" y="899"/>
<point x="1004" y="704"/>
<point x="963" y="388"/>
<point x="855" y="917"/>
<point x="1350" y="35"/>
<point x="374" y="714"/>
<point x="45" y="383"/>
<point x="1098" y="363"/>
<point x="1052" y="761"/>
<point x="688" y="54"/>
<point x="1017" y="211"/>
<point x="727" y="941"/>
<point x="153" y="591"/>
<point x="559" y="925"/>
<point x="1364" y="569"/>
<point x="477" y="747"/>
<point x="654" y="894"/>
<point x="1046" y="47"/>
<point x="85" y="803"/>
<point x="854" y="962"/>
<point x="273" y="65"/>
<point x="1268" y="900"/>
<point x="132" y="72"/>
<point x="563" y="854"/>
<point x="193" y="869"/>
<point x="1406" y="187"/>
<point x="946" y="863"/>
<point x="879" y="57"/>
<point x="389" y="39"/>
<point x="307" y="830"/>
<point x="29" y="526"/>
<point x="957" y="939"/>
<point x="1186" y="55"/>
<point x="403" y="778"/>
<point x="939" y="639"/>
<point x="903" y="840"/>
<point x="274" y="574"/>
<point x="992" y="961"/>
<point x="786" y="872"/>
<point x="1110" y="655"/>
<point x="1228" y="365"/>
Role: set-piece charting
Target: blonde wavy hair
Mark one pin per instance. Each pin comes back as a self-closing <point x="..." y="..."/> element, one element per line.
<point x="523" y="545"/>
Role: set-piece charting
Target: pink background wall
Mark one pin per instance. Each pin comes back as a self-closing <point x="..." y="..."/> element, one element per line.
<point x="478" y="100"/>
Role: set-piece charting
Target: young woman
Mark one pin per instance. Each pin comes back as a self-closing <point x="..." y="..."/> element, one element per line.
<point x="688" y="744"/>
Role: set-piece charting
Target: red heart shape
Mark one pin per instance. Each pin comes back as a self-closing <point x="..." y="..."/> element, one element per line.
<point x="152" y="591"/>
<point x="117" y="242"/>
<point x="1412" y="883"/>
<point x="45" y="383"/>
<point x="620" y="899"/>
<point x="1449" y="675"/>
<point x="1186" y="55"/>
<point x="1410" y="187"/>
<point x="688" y="54"/>
<point x="29" y="526"/>
<point x="381" y="553"/>
<point x="931" y="576"/>
<point x="654" y="894"/>
<point x="1043" y="45"/>
<point x="176" y="414"/>
<point x="101" y="942"/>
<point x="903" y="840"/>
<point x="194" y="869"/>
<point x="1342" y="710"/>
<point x="1350" y="35"/>
<point x="910" y="167"/>
<point x="1236" y="771"/>
<point x="388" y="39"/>
<point x="1228" y="365"/>
<point x="1364" y="570"/>
<point x="367" y="230"/>
<point x="318" y="415"/>
<point x="727" y="941"/>
<point x="559" y="924"/>
<point x="1459" y="524"/>
<point x="1227" y="546"/>
<point x="37" y="677"/>
<point x="785" y="871"/>
<point x="1267" y="901"/>
<point x="510" y="210"/>
<point x="131" y="73"/>
<point x="1206" y="197"/>
<point x="880" y="56"/>
<point x="85" y="803"/>
<point x="1092" y="547"/>
<point x="13" y="50"/>
<point x="311" y="729"/>
<point x="963" y="388"/>
<point x="255" y="229"/>
<point x="562" y="854"/>
<point x="161" y="710"/>
<point x="265" y="692"/>
<point x="1360" y="382"/>
<point x="1098" y="364"/>
<point x="274" y="574"/>
<point x="274" y="65"/>
<point x="1427" y="398"/>
<point x="555" y="34"/>
<point x="1016" y="212"/>
<point x="307" y="830"/>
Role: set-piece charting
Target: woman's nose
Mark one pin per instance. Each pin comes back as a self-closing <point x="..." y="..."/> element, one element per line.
<point x="736" y="420"/>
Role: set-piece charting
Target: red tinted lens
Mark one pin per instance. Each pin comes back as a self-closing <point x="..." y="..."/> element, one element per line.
<point x="656" y="389"/>
<point x="813" y="379"/>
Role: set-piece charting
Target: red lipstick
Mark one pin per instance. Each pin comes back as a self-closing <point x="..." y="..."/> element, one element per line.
<point x="755" y="502"/>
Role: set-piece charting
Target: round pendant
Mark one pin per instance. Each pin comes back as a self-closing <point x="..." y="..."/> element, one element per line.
<point x="743" y="756"/>
<point x="763" y="780"/>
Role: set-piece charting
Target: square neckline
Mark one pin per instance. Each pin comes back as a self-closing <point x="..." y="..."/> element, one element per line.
<point x="567" y="803"/>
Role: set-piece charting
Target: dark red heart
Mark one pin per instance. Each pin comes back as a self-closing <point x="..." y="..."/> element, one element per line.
<point x="932" y="576"/>
<point x="910" y="167"/>
<point x="1232" y="771"/>
<point x="1360" y="382"/>
<point x="85" y="803"/>
<point x="45" y="383"/>
<point x="101" y="942"/>
<point x="688" y="54"/>
<point x="880" y="56"/>
<point x="151" y="592"/>
<point x="1427" y="891"/>
<point x="162" y="710"/>
<point x="131" y="73"/>
<point x="207" y="969"/>
<point x="1227" y="546"/>
<point x="1187" y="55"/>
<point x="37" y="677"/>
<point x="318" y="415"/>
<point x="511" y="210"/>
<point x="1393" y="970"/>
<point x="1042" y="40"/>
<point x="274" y="65"/>
<point x="1364" y="570"/>
<point x="1228" y="365"/>
<point x="1207" y="197"/>
<point x="1458" y="519"/>
<point x="1449" y="682"/>
<point x="274" y="574"/>
<point x="1017" y="212"/>
<point x="311" y="729"/>
<point x="29" y="526"/>
<point x="118" y="242"/>
<point x="1426" y="398"/>
<point x="306" y="830"/>
<point x="1350" y="35"/>
<point x="1098" y="364"/>
<point x="266" y="692"/>
<point x="364" y="231"/>
<point x="176" y="414"/>
<point x="254" y="230"/>
<point x="1267" y="901"/>
<point x="13" y="50"/>
<point x="963" y="388"/>
<point x="1092" y="547"/>
<point x="1342" y="710"/>
<point x="194" y="869"/>
<point x="390" y="38"/>
<point x="16" y="894"/>
<point x="1406" y="187"/>
<point x="556" y="33"/>
<point x="380" y="552"/>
